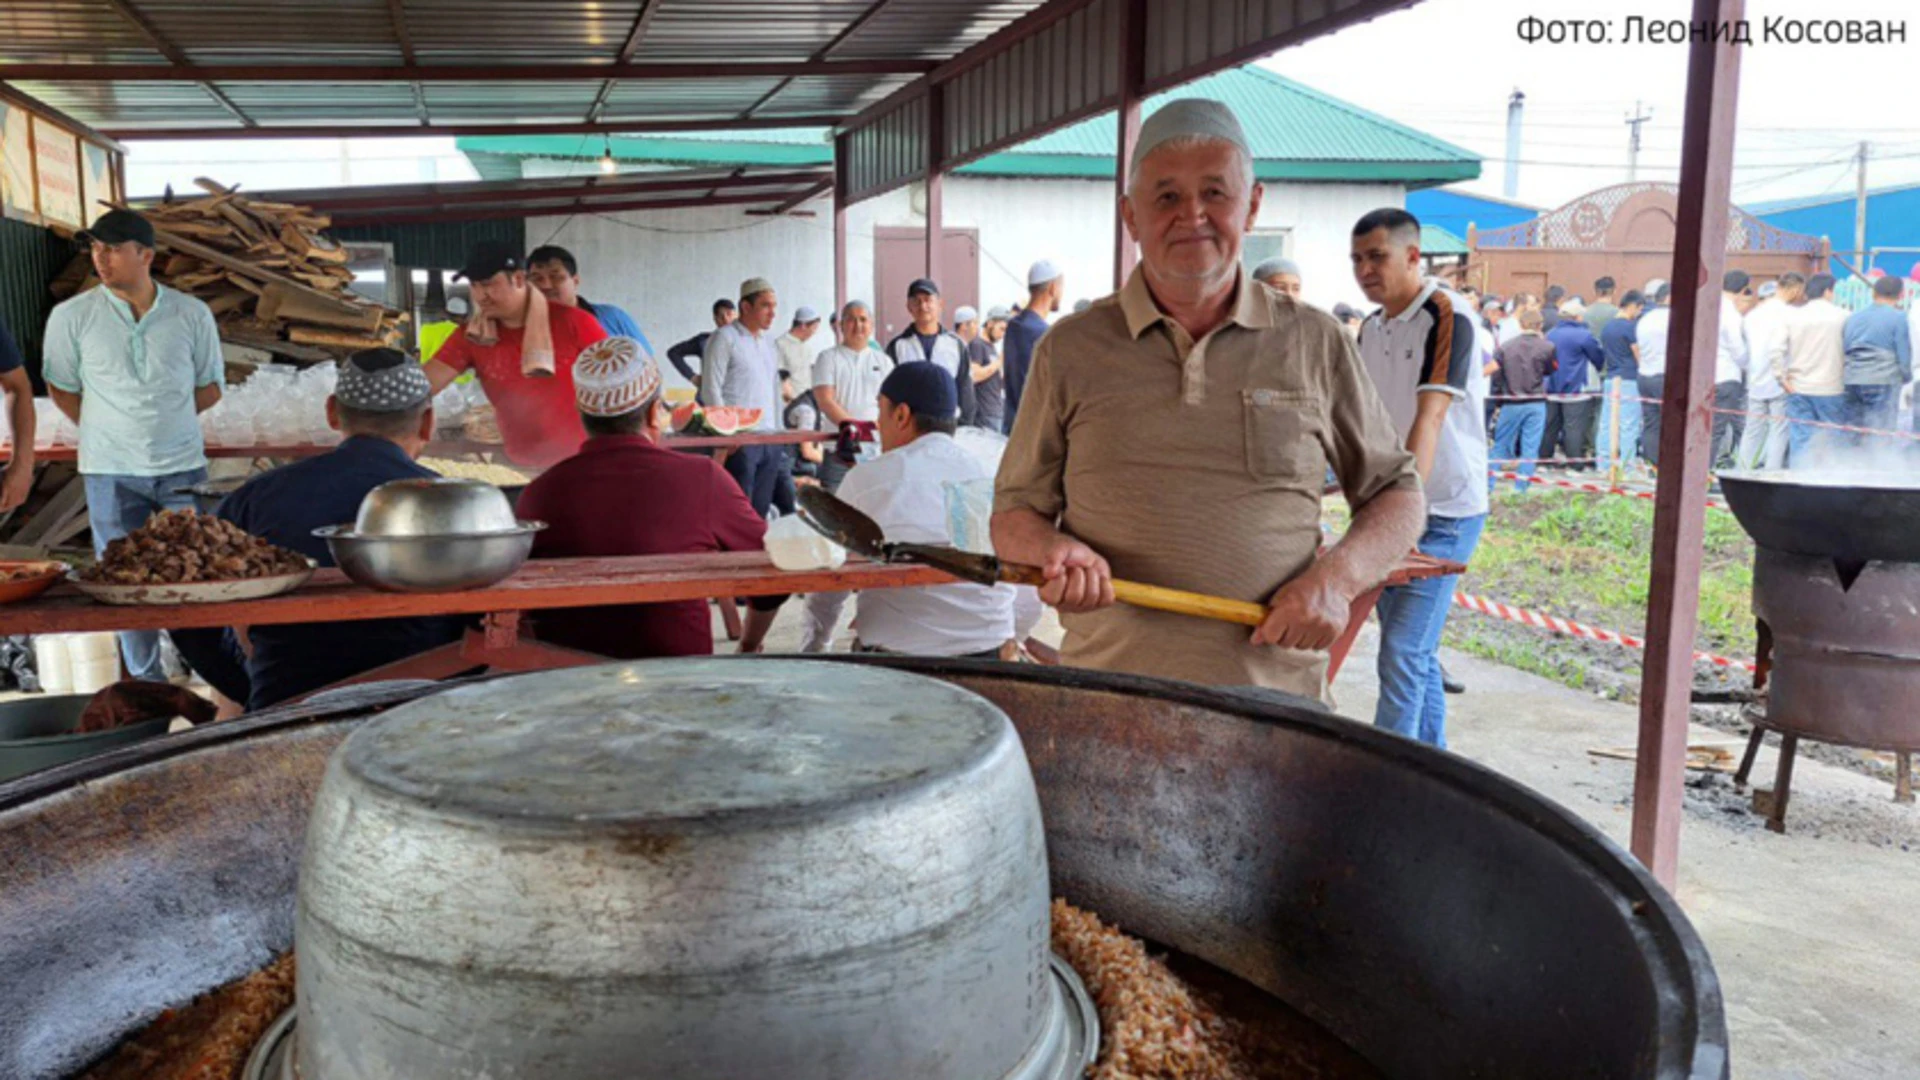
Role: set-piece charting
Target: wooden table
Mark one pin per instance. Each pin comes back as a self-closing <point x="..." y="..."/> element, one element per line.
<point x="540" y="585"/>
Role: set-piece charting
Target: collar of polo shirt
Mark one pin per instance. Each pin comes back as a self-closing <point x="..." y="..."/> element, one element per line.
<point x="1136" y="303"/>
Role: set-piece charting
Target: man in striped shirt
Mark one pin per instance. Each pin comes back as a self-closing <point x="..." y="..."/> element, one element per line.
<point x="1420" y="350"/>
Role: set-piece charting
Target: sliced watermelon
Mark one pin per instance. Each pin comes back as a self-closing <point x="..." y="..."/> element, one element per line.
<point x="719" y="420"/>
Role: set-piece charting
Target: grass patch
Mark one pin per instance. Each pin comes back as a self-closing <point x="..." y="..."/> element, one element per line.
<point x="1588" y="558"/>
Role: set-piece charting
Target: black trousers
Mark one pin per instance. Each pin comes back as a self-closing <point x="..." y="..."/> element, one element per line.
<point x="1570" y="429"/>
<point x="757" y="470"/>
<point x="1653" y="387"/>
<point x="1728" y="397"/>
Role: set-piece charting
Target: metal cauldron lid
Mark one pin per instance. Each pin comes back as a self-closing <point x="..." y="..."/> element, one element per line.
<point x="690" y="740"/>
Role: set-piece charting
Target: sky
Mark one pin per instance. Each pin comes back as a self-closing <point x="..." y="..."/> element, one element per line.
<point x="1445" y="67"/>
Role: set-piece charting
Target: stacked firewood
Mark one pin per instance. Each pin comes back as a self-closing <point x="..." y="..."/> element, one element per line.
<point x="274" y="279"/>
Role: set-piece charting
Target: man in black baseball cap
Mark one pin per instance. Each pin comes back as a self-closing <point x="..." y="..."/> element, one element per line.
<point x="927" y="340"/>
<point x="523" y="349"/>
<point x="132" y="363"/>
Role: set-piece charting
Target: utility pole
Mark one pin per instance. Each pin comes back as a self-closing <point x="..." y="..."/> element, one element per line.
<point x="1516" y="105"/>
<point x="1860" y="209"/>
<point x="1633" y="140"/>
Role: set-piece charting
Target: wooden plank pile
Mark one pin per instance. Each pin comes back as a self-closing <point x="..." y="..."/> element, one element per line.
<point x="272" y="276"/>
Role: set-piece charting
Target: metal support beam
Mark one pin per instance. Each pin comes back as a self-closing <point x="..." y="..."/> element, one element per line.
<point x="936" y="180"/>
<point x="578" y="206"/>
<point x="409" y="131"/>
<point x="813" y="192"/>
<point x="397" y="13"/>
<point x="366" y="73"/>
<point x="344" y="200"/>
<point x="1133" y="74"/>
<point x="166" y="48"/>
<point x="1680" y="504"/>
<point x="638" y="31"/>
<point x="823" y="53"/>
<point x="840" y="296"/>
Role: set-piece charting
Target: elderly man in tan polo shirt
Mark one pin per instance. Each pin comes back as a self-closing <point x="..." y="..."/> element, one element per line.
<point x="1179" y="433"/>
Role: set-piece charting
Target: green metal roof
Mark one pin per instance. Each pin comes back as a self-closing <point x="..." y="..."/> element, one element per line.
<point x="1435" y="240"/>
<point x="1296" y="132"/>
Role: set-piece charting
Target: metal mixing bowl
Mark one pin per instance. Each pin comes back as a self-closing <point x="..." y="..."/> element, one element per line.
<point x="438" y="535"/>
<point x="683" y="869"/>
<point x="442" y="506"/>
<point x="428" y="564"/>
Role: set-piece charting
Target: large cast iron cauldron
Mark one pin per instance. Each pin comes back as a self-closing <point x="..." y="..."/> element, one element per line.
<point x="1441" y="920"/>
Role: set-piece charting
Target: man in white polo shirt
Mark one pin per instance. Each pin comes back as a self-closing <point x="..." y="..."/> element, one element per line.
<point x="904" y="491"/>
<point x="846" y="385"/>
<point x="1421" y="351"/>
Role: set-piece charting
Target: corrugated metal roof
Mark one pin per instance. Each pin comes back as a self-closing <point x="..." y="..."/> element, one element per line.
<point x="1296" y="132"/>
<point x="1285" y="121"/>
<point x="1435" y="240"/>
<point x="236" y="38"/>
<point x="71" y="32"/>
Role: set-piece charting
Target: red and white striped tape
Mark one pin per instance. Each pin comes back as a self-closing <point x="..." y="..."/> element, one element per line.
<point x="1597" y="489"/>
<point x="1569" y="628"/>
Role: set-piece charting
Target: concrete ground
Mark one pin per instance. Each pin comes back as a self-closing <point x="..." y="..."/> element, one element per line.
<point x="1813" y="933"/>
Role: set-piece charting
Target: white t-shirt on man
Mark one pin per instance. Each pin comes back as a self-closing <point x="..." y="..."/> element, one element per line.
<point x="905" y="492"/>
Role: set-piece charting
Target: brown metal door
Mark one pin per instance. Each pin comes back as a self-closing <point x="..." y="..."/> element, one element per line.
<point x="900" y="257"/>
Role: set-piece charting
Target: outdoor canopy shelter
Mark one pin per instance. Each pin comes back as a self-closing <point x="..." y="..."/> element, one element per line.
<point x="913" y="89"/>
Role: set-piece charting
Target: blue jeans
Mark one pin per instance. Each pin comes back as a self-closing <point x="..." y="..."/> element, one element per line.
<point x="1806" y="443"/>
<point x="1629" y="423"/>
<point x="1517" y="438"/>
<point x="1412" y="700"/>
<point x="117" y="505"/>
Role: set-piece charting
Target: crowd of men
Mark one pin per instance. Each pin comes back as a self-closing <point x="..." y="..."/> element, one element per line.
<point x="1180" y="432"/>
<point x="1799" y="381"/>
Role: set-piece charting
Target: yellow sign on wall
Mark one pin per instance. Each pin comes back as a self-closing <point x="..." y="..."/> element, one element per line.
<point x="16" y="163"/>
<point x="52" y="172"/>
<point x="56" y="165"/>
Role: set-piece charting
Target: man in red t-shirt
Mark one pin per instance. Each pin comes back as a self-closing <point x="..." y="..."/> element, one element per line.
<point x="691" y="505"/>
<point x="536" y="412"/>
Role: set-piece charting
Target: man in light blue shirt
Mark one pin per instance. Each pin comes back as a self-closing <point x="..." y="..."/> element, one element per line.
<point x="741" y="369"/>
<point x="556" y="273"/>
<point x="1879" y="358"/>
<point x="133" y="363"/>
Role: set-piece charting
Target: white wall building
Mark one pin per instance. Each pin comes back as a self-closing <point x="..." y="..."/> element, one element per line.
<point x="1323" y="163"/>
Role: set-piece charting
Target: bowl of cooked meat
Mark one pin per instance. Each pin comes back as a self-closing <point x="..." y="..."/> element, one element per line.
<point x="185" y="557"/>
<point x="432" y="535"/>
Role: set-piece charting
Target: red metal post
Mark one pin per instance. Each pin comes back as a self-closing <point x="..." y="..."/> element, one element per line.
<point x="840" y="296"/>
<point x="1133" y="73"/>
<point x="1680" y="507"/>
<point x="936" y="155"/>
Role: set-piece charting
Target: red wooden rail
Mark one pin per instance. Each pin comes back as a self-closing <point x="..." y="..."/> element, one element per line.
<point x="546" y="583"/>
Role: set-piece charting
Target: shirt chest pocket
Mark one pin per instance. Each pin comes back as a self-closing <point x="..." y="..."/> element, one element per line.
<point x="1282" y="432"/>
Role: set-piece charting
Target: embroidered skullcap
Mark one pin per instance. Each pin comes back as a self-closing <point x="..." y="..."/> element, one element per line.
<point x="614" y="376"/>
<point x="381" y="381"/>
<point x="754" y="286"/>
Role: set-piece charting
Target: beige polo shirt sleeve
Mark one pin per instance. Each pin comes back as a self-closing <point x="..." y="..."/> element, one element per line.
<point x="1033" y="469"/>
<point x="1363" y="447"/>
